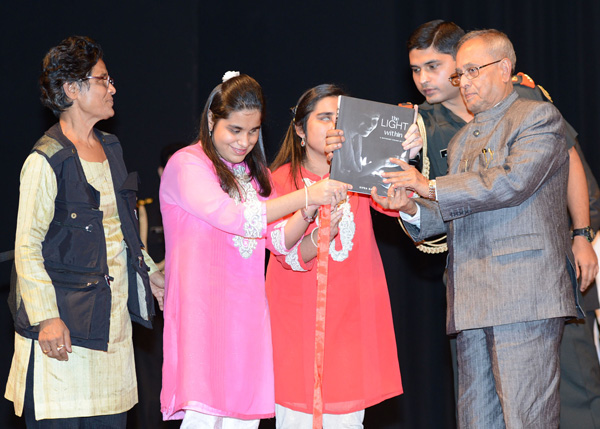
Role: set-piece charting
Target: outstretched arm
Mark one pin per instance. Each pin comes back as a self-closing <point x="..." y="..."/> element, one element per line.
<point x="586" y="262"/>
<point x="304" y="202"/>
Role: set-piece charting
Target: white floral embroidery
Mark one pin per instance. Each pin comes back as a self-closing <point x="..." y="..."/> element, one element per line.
<point x="346" y="227"/>
<point x="252" y="213"/>
<point x="278" y="237"/>
<point x="292" y="258"/>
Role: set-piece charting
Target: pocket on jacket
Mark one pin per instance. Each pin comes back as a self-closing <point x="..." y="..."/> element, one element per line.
<point x="75" y="234"/>
<point x="517" y="243"/>
<point x="128" y="191"/>
<point x="84" y="307"/>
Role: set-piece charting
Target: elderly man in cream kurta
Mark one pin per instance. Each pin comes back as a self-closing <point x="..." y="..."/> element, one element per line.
<point x="511" y="275"/>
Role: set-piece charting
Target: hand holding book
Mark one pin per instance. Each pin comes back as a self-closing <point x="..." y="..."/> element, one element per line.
<point x="414" y="141"/>
<point x="368" y="135"/>
<point x="398" y="199"/>
<point x="333" y="141"/>
<point x="408" y="178"/>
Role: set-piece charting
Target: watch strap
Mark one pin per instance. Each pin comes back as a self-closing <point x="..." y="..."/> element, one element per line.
<point x="586" y="232"/>
<point x="432" y="190"/>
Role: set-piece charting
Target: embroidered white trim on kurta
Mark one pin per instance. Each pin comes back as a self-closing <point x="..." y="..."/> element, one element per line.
<point x="252" y="213"/>
<point x="292" y="258"/>
<point x="346" y="227"/>
<point x="278" y="238"/>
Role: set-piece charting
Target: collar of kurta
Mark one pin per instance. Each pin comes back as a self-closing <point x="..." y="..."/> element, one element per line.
<point x="498" y="110"/>
<point x="312" y="176"/>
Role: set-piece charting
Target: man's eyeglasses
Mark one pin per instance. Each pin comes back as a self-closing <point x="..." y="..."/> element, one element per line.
<point x="470" y="73"/>
<point x="108" y="79"/>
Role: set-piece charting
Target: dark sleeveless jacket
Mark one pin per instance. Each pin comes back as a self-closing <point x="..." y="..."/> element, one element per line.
<point x="74" y="248"/>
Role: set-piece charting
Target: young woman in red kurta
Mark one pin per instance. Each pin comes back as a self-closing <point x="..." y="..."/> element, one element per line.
<point x="360" y="359"/>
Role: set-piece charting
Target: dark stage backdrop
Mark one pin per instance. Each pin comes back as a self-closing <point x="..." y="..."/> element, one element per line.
<point x="165" y="59"/>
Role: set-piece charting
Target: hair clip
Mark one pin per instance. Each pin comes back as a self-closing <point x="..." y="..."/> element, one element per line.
<point x="228" y="75"/>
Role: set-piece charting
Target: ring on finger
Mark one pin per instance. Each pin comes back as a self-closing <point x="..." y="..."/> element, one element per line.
<point x="59" y="347"/>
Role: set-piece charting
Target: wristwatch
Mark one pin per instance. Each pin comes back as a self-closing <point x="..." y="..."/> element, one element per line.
<point x="586" y="232"/>
<point x="432" y="190"/>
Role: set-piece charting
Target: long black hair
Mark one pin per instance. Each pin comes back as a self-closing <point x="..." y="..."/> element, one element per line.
<point x="291" y="149"/>
<point x="234" y="95"/>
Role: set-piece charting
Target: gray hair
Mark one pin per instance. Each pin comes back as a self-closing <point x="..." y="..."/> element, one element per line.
<point x="498" y="44"/>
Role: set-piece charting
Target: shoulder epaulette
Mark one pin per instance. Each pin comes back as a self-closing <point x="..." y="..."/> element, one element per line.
<point x="526" y="81"/>
<point x="145" y="202"/>
<point x="523" y="79"/>
<point x="545" y="93"/>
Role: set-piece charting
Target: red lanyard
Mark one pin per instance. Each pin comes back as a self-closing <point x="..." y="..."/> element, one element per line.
<point x="322" y="270"/>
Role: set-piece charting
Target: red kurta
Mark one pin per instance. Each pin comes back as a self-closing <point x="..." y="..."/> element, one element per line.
<point x="361" y="363"/>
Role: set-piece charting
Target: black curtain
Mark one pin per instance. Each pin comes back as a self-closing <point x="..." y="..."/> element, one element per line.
<point x="165" y="59"/>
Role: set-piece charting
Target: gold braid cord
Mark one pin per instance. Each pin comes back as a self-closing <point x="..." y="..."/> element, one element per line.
<point x="143" y="220"/>
<point x="437" y="245"/>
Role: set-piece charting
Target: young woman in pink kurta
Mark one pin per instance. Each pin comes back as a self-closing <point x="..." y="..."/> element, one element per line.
<point x="360" y="359"/>
<point x="217" y="341"/>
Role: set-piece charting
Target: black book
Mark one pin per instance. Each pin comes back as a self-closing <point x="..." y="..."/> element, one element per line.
<point x="374" y="133"/>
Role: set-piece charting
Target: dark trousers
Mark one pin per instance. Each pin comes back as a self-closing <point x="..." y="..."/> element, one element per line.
<point x="111" y="421"/>
<point x="580" y="376"/>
